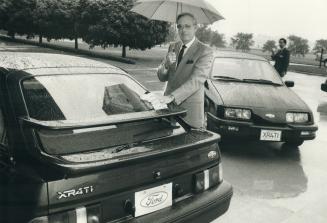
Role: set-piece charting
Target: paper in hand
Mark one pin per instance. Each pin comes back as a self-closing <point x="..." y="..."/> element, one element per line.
<point x="154" y="101"/>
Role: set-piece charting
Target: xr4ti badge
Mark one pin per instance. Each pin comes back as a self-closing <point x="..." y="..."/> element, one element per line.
<point x="74" y="193"/>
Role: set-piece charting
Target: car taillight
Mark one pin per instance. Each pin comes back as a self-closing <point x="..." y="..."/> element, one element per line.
<point x="79" y="215"/>
<point x="208" y="178"/>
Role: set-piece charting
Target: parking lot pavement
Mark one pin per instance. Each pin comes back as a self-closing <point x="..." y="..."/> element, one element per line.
<point x="270" y="184"/>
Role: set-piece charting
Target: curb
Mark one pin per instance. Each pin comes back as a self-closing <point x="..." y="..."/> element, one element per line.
<point x="68" y="49"/>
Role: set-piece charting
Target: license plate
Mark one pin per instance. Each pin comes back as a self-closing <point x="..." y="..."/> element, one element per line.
<point x="271" y="135"/>
<point x="153" y="199"/>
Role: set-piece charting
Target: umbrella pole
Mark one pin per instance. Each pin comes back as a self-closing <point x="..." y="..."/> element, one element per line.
<point x="179" y="8"/>
<point x="176" y="11"/>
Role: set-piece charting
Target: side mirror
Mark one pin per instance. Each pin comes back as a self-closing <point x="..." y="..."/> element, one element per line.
<point x="289" y="83"/>
<point x="324" y="87"/>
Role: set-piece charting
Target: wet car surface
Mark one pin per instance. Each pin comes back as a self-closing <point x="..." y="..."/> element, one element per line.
<point x="77" y="145"/>
<point x="245" y="97"/>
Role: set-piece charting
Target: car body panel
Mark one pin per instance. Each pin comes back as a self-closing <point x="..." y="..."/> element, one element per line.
<point x="258" y="96"/>
<point x="268" y="103"/>
<point x="40" y="184"/>
<point x="324" y="86"/>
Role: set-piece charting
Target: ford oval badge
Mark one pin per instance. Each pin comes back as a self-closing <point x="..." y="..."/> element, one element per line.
<point x="154" y="199"/>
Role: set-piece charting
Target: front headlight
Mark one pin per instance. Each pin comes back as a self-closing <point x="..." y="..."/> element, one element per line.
<point x="238" y="113"/>
<point x="292" y="117"/>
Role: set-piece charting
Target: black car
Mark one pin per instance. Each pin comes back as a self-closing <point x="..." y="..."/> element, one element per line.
<point x="79" y="145"/>
<point x="246" y="98"/>
<point x="324" y="86"/>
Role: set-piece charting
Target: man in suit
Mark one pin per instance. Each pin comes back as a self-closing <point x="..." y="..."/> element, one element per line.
<point x="281" y="58"/>
<point x="186" y="68"/>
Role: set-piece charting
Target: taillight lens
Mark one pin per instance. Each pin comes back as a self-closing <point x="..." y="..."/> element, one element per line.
<point x="208" y="178"/>
<point x="82" y="214"/>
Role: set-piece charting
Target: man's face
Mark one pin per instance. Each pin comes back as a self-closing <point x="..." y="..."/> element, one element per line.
<point x="282" y="44"/>
<point x="186" y="28"/>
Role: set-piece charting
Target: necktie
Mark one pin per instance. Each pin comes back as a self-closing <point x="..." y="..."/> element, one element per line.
<point x="180" y="55"/>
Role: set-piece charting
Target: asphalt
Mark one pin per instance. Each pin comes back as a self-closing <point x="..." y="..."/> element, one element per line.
<point x="271" y="183"/>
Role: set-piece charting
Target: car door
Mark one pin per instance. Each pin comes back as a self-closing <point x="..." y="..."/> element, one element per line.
<point x="4" y="167"/>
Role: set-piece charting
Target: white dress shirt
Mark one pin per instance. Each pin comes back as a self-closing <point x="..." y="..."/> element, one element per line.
<point x="188" y="45"/>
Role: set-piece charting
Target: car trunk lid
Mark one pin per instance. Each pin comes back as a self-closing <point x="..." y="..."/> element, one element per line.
<point x="166" y="160"/>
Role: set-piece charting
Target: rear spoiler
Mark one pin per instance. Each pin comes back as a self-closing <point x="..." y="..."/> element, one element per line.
<point x="111" y="120"/>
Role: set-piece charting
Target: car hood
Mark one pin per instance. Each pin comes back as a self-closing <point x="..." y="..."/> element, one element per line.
<point x="261" y="99"/>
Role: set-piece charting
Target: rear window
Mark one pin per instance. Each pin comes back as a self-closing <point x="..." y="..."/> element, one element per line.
<point x="87" y="98"/>
<point x="82" y="97"/>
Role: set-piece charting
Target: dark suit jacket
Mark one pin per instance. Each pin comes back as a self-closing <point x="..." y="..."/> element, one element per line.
<point x="282" y="60"/>
<point x="186" y="82"/>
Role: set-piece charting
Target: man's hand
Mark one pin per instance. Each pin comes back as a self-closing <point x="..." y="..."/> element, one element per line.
<point x="158" y="102"/>
<point x="165" y="99"/>
<point x="170" y="59"/>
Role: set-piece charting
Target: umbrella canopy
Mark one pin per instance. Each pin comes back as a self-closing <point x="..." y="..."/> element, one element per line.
<point x="168" y="10"/>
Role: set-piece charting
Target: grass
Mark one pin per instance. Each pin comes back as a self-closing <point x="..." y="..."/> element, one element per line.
<point x="151" y="58"/>
<point x="308" y="69"/>
<point x="307" y="64"/>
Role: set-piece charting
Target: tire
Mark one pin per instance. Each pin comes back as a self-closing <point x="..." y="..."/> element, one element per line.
<point x="294" y="143"/>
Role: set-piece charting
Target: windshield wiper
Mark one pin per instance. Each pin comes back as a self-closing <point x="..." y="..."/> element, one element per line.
<point x="227" y="78"/>
<point x="262" y="81"/>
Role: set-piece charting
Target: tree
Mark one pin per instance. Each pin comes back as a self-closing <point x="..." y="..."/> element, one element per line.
<point x="4" y="16"/>
<point x="57" y="19"/>
<point x="203" y="33"/>
<point x="320" y="44"/>
<point x="19" y="17"/>
<point x="209" y="36"/>
<point x="242" y="41"/>
<point x="110" y="22"/>
<point x="217" y="40"/>
<point x="298" y="45"/>
<point x="269" y="46"/>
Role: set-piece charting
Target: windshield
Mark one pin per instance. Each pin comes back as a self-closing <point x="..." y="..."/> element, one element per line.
<point x="82" y="97"/>
<point x="244" y="69"/>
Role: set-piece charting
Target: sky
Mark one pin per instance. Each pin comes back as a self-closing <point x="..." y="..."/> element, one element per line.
<point x="273" y="18"/>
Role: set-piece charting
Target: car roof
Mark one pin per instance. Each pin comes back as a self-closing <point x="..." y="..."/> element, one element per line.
<point x="238" y="55"/>
<point x="34" y="63"/>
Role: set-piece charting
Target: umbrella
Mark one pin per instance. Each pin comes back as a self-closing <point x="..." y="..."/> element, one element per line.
<point x="168" y="10"/>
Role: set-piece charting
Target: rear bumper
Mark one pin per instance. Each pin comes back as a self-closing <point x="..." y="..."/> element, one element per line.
<point x="203" y="207"/>
<point x="231" y="128"/>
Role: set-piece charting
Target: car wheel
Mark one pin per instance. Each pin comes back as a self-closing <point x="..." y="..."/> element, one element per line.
<point x="294" y="143"/>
